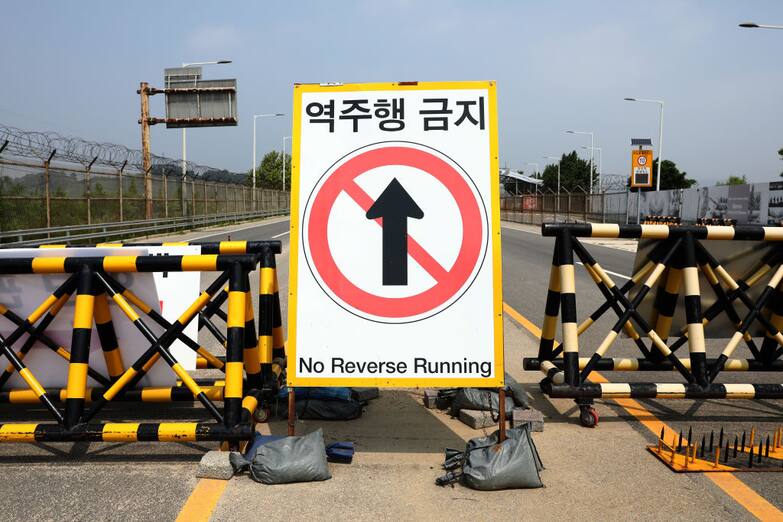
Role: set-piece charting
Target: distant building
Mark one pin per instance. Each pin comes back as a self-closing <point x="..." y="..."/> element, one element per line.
<point x="513" y="183"/>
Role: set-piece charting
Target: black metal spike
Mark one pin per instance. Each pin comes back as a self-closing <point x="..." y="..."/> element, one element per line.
<point x="735" y="447"/>
<point x="750" y="457"/>
<point x="743" y="441"/>
<point x="703" y="443"/>
<point x="758" y="459"/>
<point x="726" y="452"/>
<point x="712" y="440"/>
<point x="679" y="442"/>
<point x="661" y="437"/>
<point x="720" y="437"/>
<point x="766" y="449"/>
<point x="690" y="435"/>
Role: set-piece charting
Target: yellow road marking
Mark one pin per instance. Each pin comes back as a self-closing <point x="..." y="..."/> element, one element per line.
<point x="205" y="496"/>
<point x="746" y="497"/>
<point x="202" y="500"/>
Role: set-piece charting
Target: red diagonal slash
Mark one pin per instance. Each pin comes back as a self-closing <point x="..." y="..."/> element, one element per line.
<point x="415" y="250"/>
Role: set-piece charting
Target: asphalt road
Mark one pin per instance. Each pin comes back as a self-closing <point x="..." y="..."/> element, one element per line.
<point x="152" y="481"/>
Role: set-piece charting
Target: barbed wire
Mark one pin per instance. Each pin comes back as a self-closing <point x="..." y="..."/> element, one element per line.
<point x="613" y="182"/>
<point x="40" y="145"/>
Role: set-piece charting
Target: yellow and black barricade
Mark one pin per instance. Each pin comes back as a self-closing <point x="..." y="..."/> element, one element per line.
<point x="92" y="280"/>
<point x="673" y="264"/>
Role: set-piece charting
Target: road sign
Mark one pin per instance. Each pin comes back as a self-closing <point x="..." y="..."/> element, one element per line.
<point x="193" y="102"/>
<point x="23" y="293"/>
<point x="395" y="243"/>
<point x="641" y="168"/>
<point x="176" y="292"/>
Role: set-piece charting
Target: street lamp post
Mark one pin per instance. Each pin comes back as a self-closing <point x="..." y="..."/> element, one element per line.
<point x="184" y="133"/>
<point x="660" y="136"/>
<point x="592" y="145"/>
<point x="535" y="170"/>
<point x="284" y="140"/>
<point x="255" y="117"/>
<point x="559" y="160"/>
<point x="600" y="166"/>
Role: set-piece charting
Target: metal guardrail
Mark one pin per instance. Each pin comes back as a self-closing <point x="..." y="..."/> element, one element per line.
<point x="105" y="231"/>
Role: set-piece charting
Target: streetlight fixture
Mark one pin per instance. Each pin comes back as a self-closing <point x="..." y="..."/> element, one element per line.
<point x="751" y="25"/>
<point x="600" y="165"/>
<point x="184" y="130"/>
<point x="592" y="144"/>
<point x="284" y="140"/>
<point x="559" y="160"/>
<point x="660" y="136"/>
<point x="535" y="170"/>
<point x="255" y="117"/>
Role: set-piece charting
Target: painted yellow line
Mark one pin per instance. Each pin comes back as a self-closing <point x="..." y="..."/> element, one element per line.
<point x="757" y="505"/>
<point x="747" y="498"/>
<point x="202" y="500"/>
<point x="205" y="496"/>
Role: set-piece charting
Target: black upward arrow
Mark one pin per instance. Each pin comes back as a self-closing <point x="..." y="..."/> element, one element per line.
<point x="395" y="206"/>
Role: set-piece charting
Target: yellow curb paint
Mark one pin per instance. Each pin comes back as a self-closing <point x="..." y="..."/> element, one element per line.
<point x="202" y="500"/>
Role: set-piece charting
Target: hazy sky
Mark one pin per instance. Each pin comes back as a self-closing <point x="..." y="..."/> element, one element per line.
<point x="73" y="67"/>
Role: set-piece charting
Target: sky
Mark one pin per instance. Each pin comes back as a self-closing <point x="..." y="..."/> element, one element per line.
<point x="74" y="67"/>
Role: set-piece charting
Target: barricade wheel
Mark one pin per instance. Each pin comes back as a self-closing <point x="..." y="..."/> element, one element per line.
<point x="262" y="414"/>
<point x="588" y="417"/>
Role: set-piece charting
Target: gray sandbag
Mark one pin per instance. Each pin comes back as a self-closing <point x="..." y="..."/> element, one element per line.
<point x="486" y="465"/>
<point x="479" y="399"/>
<point x="514" y="464"/>
<point x="286" y="460"/>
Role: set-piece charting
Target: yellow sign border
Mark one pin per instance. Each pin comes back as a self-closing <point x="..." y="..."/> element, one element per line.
<point x="497" y="300"/>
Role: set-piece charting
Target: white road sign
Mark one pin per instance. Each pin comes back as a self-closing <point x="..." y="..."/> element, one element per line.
<point x="395" y="236"/>
<point x="176" y="292"/>
<point x="23" y="293"/>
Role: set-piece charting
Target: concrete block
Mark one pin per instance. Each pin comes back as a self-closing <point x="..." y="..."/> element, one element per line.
<point x="430" y="398"/>
<point x="530" y="415"/>
<point x="215" y="465"/>
<point x="477" y="419"/>
<point x="365" y="394"/>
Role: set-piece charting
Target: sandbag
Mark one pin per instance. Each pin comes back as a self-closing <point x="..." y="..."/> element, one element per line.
<point x="478" y="399"/>
<point x="515" y="464"/>
<point x="286" y="460"/>
<point x="329" y="393"/>
<point x="486" y="465"/>
<point x="320" y="403"/>
<point x="313" y="409"/>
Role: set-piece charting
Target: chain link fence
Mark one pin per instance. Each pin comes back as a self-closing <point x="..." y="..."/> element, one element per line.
<point x="575" y="207"/>
<point x="50" y="181"/>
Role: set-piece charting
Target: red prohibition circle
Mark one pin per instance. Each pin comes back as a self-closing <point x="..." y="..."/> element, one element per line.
<point x="395" y="307"/>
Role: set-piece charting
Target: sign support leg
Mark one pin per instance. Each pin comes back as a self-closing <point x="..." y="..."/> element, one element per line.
<point x="291" y="412"/>
<point x="502" y="414"/>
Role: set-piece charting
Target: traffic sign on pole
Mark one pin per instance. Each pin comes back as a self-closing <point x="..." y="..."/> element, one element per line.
<point x="395" y="236"/>
<point x="641" y="168"/>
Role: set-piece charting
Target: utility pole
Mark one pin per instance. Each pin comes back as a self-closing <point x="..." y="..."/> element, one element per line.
<point x="145" y="148"/>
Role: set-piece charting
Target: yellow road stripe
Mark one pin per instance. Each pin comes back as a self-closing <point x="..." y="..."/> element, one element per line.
<point x="757" y="505"/>
<point x="205" y="496"/>
<point x="202" y="501"/>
